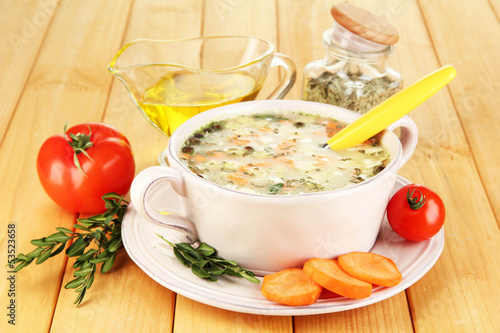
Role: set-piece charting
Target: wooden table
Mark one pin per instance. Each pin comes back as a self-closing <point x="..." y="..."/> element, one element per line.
<point x="53" y="65"/>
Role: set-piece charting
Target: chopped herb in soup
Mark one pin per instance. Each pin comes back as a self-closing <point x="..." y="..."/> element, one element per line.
<point x="279" y="154"/>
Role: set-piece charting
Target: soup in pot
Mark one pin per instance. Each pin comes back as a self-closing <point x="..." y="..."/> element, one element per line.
<point x="280" y="154"/>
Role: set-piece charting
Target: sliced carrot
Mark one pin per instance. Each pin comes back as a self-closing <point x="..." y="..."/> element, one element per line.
<point x="286" y="144"/>
<point x="289" y="187"/>
<point x="332" y="128"/>
<point x="185" y="156"/>
<point x="319" y="133"/>
<point x="321" y="160"/>
<point x="215" y="154"/>
<point x="326" y="294"/>
<point x="328" y="274"/>
<point x="199" y="158"/>
<point x="371" y="267"/>
<point x="291" y="286"/>
<point x="266" y="129"/>
<point x="239" y="142"/>
<point x="285" y="159"/>
<point x="238" y="179"/>
<point x="243" y="168"/>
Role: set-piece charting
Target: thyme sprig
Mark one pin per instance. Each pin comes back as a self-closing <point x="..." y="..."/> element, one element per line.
<point x="205" y="263"/>
<point x="103" y="230"/>
<point x="102" y="233"/>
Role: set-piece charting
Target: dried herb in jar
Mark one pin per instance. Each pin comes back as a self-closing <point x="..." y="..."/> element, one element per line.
<point x="352" y="91"/>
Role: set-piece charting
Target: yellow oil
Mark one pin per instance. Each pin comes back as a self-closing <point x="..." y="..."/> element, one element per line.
<point x="181" y="95"/>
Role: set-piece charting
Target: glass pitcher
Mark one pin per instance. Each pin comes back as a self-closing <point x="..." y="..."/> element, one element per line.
<point x="171" y="81"/>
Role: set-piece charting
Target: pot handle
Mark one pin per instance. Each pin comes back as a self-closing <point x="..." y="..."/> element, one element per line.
<point x="408" y="136"/>
<point x="158" y="195"/>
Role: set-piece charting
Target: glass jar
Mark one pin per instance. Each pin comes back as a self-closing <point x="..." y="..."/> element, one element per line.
<point x="354" y="73"/>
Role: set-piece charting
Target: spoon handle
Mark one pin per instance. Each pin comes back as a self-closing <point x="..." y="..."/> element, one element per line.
<point x="392" y="109"/>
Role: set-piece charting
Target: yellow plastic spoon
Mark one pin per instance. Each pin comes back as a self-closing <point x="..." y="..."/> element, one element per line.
<point x="391" y="109"/>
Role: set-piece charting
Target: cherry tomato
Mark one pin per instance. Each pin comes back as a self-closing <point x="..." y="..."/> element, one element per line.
<point x="90" y="160"/>
<point x="415" y="212"/>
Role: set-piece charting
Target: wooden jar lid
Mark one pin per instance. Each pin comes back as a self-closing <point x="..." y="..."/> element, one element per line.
<point x="364" y="24"/>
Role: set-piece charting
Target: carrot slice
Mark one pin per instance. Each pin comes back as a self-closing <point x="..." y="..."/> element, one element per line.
<point x="238" y="179"/>
<point x="285" y="159"/>
<point x="328" y="274"/>
<point x="239" y="142"/>
<point x="215" y="154"/>
<point x="371" y="267"/>
<point x="199" y="158"/>
<point x="286" y="144"/>
<point x="332" y="128"/>
<point x="290" y="287"/>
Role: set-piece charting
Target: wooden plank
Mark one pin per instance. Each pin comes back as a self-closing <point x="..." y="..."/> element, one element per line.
<point x="148" y="305"/>
<point x="22" y="29"/>
<point x="459" y="293"/>
<point x="495" y="4"/>
<point x="374" y="318"/>
<point x="475" y="55"/>
<point x="69" y="82"/>
<point x="191" y="316"/>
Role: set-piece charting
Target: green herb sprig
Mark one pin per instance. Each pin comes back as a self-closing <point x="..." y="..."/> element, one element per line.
<point x="274" y="189"/>
<point x="104" y="230"/>
<point x="205" y="263"/>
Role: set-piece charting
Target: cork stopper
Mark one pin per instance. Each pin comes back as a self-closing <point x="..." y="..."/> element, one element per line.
<point x="364" y="24"/>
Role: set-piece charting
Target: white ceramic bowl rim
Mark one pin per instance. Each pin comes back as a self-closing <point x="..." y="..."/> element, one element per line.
<point x="198" y="121"/>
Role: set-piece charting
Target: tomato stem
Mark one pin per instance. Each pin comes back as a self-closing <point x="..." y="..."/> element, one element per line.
<point x="79" y="142"/>
<point x="414" y="201"/>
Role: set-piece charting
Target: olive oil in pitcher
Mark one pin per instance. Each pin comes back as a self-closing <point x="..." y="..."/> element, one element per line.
<point x="180" y="95"/>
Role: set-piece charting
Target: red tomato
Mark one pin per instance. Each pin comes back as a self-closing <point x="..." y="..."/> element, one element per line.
<point x="416" y="213"/>
<point x="106" y="161"/>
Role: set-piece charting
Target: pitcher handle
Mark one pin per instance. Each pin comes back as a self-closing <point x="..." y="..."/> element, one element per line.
<point x="150" y="193"/>
<point x="408" y="136"/>
<point x="290" y="75"/>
